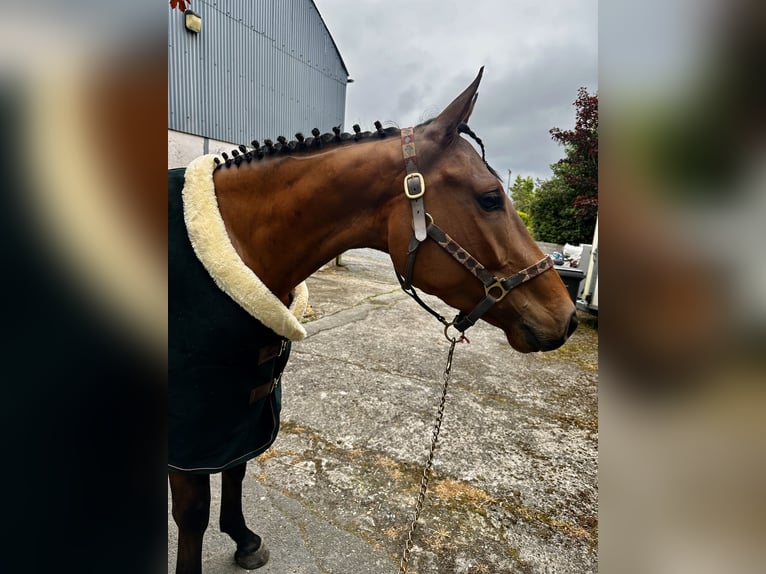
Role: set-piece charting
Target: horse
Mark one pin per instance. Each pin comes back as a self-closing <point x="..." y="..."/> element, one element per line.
<point x="266" y="217"/>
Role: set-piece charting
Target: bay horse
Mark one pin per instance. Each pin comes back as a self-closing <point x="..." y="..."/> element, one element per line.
<point x="249" y="228"/>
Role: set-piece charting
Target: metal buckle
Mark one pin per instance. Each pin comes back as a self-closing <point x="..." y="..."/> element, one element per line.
<point x="422" y="181"/>
<point x="271" y="352"/>
<point x="499" y="285"/>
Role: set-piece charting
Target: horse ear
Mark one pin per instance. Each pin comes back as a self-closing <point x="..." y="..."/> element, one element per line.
<point x="458" y="111"/>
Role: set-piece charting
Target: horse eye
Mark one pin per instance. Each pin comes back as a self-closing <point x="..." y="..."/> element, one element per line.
<point x="491" y="201"/>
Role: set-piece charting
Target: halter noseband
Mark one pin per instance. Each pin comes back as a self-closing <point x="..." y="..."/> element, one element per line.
<point x="495" y="289"/>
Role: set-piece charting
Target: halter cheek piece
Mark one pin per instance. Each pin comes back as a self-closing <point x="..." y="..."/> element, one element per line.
<point x="494" y="288"/>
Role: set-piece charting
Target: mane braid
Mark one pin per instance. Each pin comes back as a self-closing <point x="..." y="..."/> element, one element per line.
<point x="300" y="144"/>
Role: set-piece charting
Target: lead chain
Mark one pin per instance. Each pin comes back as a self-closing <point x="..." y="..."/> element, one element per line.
<point x="426" y="477"/>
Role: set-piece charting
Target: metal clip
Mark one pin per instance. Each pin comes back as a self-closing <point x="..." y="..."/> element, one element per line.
<point x="421" y="184"/>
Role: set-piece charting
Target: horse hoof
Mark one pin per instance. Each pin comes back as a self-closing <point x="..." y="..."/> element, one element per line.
<point x="252" y="559"/>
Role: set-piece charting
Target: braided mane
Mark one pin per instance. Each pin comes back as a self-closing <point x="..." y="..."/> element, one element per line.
<point x="301" y="144"/>
<point x="318" y="140"/>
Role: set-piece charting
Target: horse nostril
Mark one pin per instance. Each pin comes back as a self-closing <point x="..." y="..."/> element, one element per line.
<point x="573" y="322"/>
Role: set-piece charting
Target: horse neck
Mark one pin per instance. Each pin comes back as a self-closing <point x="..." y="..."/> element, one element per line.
<point x="287" y="216"/>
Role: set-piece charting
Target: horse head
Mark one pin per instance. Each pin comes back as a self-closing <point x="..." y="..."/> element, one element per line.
<point x="465" y="199"/>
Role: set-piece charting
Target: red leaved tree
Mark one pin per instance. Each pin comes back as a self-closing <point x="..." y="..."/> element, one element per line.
<point x="180" y="4"/>
<point x="579" y="169"/>
<point x="564" y="208"/>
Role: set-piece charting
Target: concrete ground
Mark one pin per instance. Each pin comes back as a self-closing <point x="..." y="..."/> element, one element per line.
<point x="515" y="475"/>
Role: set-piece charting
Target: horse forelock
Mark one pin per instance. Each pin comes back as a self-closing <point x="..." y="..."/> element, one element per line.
<point x="464" y="129"/>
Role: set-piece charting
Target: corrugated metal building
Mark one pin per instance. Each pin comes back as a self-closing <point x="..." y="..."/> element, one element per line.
<point x="257" y="69"/>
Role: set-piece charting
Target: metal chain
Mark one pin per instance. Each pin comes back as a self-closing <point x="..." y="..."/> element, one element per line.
<point x="426" y="477"/>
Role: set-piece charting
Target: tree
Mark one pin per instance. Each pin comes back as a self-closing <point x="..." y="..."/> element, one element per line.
<point x="553" y="213"/>
<point x="580" y="166"/>
<point x="564" y="208"/>
<point x="522" y="193"/>
<point x="179" y="4"/>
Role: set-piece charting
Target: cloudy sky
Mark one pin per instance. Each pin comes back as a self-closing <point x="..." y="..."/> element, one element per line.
<point x="409" y="59"/>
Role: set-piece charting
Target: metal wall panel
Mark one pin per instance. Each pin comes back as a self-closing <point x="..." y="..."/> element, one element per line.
<point x="258" y="69"/>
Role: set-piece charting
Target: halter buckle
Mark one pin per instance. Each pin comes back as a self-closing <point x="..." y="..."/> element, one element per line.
<point x="497" y="284"/>
<point x="418" y="185"/>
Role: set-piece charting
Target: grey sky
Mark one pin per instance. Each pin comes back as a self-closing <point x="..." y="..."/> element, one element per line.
<point x="409" y="59"/>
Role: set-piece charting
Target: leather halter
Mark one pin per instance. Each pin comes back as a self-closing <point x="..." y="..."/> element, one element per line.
<point x="495" y="289"/>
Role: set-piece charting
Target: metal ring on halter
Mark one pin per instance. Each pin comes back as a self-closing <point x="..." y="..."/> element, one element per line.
<point x="453" y="339"/>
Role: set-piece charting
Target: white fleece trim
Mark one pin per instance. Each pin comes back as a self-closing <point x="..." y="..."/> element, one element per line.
<point x="211" y="243"/>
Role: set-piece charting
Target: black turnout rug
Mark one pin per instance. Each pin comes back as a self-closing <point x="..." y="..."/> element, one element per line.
<point x="223" y="405"/>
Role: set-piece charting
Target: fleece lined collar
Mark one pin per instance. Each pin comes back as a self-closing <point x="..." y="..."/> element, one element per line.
<point x="211" y="243"/>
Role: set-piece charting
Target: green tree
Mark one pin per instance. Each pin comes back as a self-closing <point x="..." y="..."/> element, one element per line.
<point x="522" y="193"/>
<point x="564" y="208"/>
<point x="553" y="213"/>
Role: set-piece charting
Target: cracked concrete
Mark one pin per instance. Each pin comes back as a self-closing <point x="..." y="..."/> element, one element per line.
<point x="515" y="476"/>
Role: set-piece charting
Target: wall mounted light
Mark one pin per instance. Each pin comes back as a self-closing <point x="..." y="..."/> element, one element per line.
<point x="193" y="21"/>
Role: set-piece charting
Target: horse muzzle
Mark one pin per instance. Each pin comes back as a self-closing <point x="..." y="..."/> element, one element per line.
<point x="529" y="338"/>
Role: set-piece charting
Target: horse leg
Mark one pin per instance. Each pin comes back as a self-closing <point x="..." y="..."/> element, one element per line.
<point x="251" y="551"/>
<point x="191" y="512"/>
